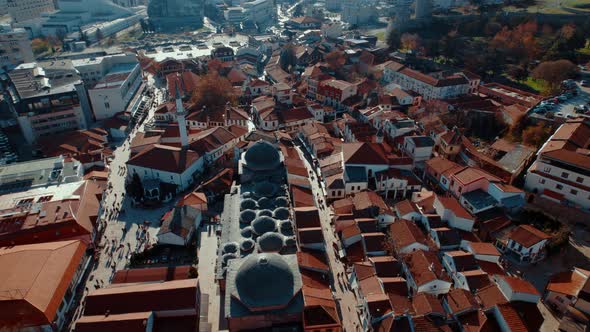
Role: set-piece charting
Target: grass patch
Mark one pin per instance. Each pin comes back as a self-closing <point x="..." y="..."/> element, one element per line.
<point x="380" y="36"/>
<point x="537" y="85"/>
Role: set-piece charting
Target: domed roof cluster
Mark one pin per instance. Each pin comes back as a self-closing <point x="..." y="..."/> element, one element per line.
<point x="266" y="189"/>
<point x="281" y="213"/>
<point x="230" y="248"/>
<point x="263" y="225"/>
<point x="264" y="280"/>
<point x="248" y="204"/>
<point x="281" y="201"/>
<point x="270" y="242"/>
<point x="247" y="216"/>
<point x="247" y="245"/>
<point x="262" y="156"/>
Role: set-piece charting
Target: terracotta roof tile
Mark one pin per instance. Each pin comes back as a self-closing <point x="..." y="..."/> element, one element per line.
<point x="527" y="235"/>
<point x="461" y="300"/>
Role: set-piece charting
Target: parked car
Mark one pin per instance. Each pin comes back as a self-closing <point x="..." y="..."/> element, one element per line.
<point x="584" y="83"/>
<point x="562" y="98"/>
<point x="560" y="114"/>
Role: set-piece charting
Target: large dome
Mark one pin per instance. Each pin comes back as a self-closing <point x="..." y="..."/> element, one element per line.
<point x="265" y="280"/>
<point x="247" y="216"/>
<point x="263" y="225"/>
<point x="262" y="156"/>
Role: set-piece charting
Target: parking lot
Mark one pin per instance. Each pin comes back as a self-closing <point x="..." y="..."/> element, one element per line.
<point x="564" y="108"/>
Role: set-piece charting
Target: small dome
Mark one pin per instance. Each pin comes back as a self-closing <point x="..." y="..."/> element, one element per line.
<point x="290" y="241"/>
<point x="266" y="189"/>
<point x="281" y="201"/>
<point x="230" y="248"/>
<point x="248" y="204"/>
<point x="265" y="203"/>
<point x="225" y="258"/>
<point x="247" y="216"/>
<point x="281" y="213"/>
<point x="246" y="232"/>
<point x="262" y="156"/>
<point x="270" y="242"/>
<point x="265" y="280"/>
<point x="263" y="225"/>
<point x="265" y="213"/>
<point x="286" y="225"/>
<point x="247" y="245"/>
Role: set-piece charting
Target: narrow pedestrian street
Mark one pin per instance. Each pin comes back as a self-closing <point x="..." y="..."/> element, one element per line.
<point x="346" y="299"/>
<point x="124" y="230"/>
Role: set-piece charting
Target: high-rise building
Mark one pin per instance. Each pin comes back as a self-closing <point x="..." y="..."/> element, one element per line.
<point x="174" y="15"/>
<point x="358" y="12"/>
<point x="423" y="9"/>
<point x="402" y="13"/>
<point x="15" y="47"/>
<point x="22" y="10"/>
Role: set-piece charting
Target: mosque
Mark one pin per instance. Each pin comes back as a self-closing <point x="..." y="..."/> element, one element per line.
<point x="257" y="263"/>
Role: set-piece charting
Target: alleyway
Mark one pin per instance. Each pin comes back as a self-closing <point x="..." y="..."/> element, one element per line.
<point x="345" y="298"/>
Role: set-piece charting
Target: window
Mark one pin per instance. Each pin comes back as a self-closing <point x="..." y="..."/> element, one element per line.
<point x="542" y="181"/>
<point x="580" y="179"/>
<point x="573" y="192"/>
<point x="547" y="169"/>
<point x="564" y="175"/>
<point x="558" y="186"/>
<point x="460" y="189"/>
<point x="107" y="105"/>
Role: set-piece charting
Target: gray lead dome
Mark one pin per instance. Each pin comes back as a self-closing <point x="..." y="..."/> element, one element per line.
<point x="265" y="280"/>
<point x="262" y="156"/>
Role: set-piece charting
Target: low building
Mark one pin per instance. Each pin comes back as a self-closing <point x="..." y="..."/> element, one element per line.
<point x="178" y="226"/>
<point x="168" y="305"/>
<point x="425" y="274"/>
<point x="563" y="288"/>
<point x="39" y="283"/>
<point x="524" y="243"/>
<point x="517" y="289"/>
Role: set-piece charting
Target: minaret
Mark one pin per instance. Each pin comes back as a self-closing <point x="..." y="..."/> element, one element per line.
<point x="180" y="114"/>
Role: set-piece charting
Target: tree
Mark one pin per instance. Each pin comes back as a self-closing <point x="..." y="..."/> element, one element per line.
<point x="287" y="58"/>
<point x="335" y="59"/>
<point x="518" y="72"/>
<point x="135" y="187"/>
<point x="554" y="72"/>
<point x="213" y="92"/>
<point x="535" y="135"/>
<point x="39" y="46"/>
<point x="411" y="41"/>
<point x="393" y="39"/>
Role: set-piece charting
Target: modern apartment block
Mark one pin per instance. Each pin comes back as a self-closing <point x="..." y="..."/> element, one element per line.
<point x="561" y="172"/>
<point x="48" y="98"/>
<point x="15" y="47"/>
<point x="23" y="10"/>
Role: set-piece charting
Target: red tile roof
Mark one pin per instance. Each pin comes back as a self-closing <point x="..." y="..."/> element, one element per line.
<point x="427" y="305"/>
<point x="425" y="267"/>
<point x="527" y="235"/>
<point x="519" y="285"/>
<point x="404" y="232"/>
<point x="512" y="319"/>
<point x="176" y="160"/>
<point x="568" y="282"/>
<point x="34" y="281"/>
<point x="151" y="274"/>
<point x="461" y="300"/>
<point x="364" y="154"/>
<point x="127" y="298"/>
